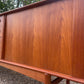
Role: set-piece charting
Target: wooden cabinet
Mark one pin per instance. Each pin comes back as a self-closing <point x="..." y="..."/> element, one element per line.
<point x="47" y="37"/>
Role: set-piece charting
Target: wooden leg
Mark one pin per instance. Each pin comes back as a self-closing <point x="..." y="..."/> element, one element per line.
<point x="67" y="81"/>
<point x="57" y="80"/>
<point x="47" y="79"/>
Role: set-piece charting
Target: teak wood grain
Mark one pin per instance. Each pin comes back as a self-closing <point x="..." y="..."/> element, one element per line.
<point x="34" y="39"/>
<point x="48" y="35"/>
<point x="78" y="39"/>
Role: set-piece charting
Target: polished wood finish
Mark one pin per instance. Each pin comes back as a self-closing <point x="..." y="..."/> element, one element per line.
<point x="38" y="41"/>
<point x="78" y="39"/>
<point x="19" y="38"/>
<point x="47" y="36"/>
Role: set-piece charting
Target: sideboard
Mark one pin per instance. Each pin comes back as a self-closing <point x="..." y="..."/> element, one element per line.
<point x="44" y="39"/>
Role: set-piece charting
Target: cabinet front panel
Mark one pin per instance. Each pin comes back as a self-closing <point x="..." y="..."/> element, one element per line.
<point x="41" y="36"/>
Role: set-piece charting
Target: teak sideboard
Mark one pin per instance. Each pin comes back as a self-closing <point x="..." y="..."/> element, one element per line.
<point x="43" y="39"/>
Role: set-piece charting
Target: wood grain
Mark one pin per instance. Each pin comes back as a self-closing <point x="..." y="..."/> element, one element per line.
<point x="78" y="39"/>
<point x="49" y="37"/>
<point x="41" y="40"/>
<point x="19" y="38"/>
<point x="52" y="36"/>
